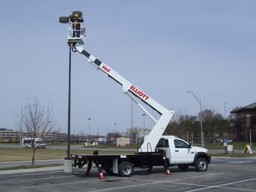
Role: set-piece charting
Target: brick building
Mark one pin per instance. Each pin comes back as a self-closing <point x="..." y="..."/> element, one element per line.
<point x="245" y="124"/>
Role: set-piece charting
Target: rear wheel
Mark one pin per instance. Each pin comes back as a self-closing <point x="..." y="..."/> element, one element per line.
<point x="201" y="165"/>
<point x="125" y="169"/>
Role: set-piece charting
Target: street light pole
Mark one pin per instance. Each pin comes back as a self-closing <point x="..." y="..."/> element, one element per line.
<point x="115" y="133"/>
<point x="131" y="132"/>
<point x="144" y="115"/>
<point x="68" y="159"/>
<point x="69" y="105"/>
<point x="89" y="129"/>
<point x="248" y="125"/>
<point x="115" y="127"/>
<point x="200" y="116"/>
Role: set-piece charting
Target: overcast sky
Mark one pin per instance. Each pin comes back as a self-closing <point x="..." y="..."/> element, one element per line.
<point x="165" y="47"/>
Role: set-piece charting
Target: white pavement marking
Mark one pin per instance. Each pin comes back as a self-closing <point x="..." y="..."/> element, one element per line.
<point x="238" y="189"/>
<point x="156" y="182"/>
<point x="149" y="182"/>
<point x="222" y="185"/>
<point x="184" y="178"/>
<point x="128" y="186"/>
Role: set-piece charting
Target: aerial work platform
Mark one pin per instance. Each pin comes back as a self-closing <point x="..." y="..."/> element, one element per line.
<point x="76" y="29"/>
<point x="76" y="39"/>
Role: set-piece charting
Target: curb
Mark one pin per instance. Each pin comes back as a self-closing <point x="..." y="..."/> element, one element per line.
<point x="32" y="170"/>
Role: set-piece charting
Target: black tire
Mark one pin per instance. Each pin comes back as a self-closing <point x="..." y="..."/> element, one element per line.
<point x="183" y="167"/>
<point x="201" y="165"/>
<point x="125" y="169"/>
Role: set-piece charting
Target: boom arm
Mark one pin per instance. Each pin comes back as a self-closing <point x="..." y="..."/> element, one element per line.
<point x="152" y="139"/>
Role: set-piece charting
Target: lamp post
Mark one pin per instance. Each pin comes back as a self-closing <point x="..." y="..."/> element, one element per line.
<point x="144" y="115"/>
<point x="68" y="159"/>
<point x="115" y="133"/>
<point x="115" y="127"/>
<point x="69" y="104"/>
<point x="131" y="132"/>
<point x="89" y="129"/>
<point x="248" y="125"/>
<point x="200" y="116"/>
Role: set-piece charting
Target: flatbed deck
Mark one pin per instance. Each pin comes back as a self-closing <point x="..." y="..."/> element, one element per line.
<point x="114" y="163"/>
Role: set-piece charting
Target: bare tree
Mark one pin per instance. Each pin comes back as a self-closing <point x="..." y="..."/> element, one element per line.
<point x="35" y="121"/>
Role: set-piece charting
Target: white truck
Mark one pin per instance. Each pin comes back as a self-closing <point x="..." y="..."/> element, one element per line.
<point x="183" y="154"/>
<point x="38" y="142"/>
<point x="156" y="149"/>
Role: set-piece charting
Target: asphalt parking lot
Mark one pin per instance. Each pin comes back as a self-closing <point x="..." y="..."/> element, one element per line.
<point x="224" y="174"/>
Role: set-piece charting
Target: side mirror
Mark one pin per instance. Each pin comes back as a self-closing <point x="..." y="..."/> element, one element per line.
<point x="190" y="144"/>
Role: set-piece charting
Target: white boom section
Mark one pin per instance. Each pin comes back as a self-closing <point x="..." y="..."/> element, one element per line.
<point x="152" y="139"/>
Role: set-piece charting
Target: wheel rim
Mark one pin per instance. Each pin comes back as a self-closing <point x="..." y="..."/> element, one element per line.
<point x="127" y="169"/>
<point x="202" y="165"/>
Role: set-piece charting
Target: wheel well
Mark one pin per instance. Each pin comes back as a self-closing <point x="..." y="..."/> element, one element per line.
<point x="201" y="155"/>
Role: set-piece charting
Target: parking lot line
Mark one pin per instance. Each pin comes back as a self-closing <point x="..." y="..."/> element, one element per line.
<point x="184" y="178"/>
<point x="127" y="186"/>
<point x="225" y="184"/>
<point x="150" y="182"/>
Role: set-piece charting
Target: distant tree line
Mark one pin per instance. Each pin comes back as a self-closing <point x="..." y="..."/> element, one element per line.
<point x="215" y="126"/>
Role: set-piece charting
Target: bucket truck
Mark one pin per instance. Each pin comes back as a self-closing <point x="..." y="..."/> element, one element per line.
<point x="156" y="150"/>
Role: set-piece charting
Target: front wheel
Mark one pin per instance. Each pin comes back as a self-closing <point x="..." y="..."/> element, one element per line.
<point x="125" y="169"/>
<point x="201" y="165"/>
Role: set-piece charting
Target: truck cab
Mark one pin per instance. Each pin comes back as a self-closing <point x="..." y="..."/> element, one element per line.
<point x="183" y="154"/>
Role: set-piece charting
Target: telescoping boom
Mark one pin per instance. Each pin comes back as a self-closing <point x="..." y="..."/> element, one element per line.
<point x="150" y="142"/>
<point x="131" y="90"/>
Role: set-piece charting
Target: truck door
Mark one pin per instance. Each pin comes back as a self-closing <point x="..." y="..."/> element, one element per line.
<point x="183" y="152"/>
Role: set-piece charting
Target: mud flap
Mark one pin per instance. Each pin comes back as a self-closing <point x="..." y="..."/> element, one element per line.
<point x="115" y="166"/>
